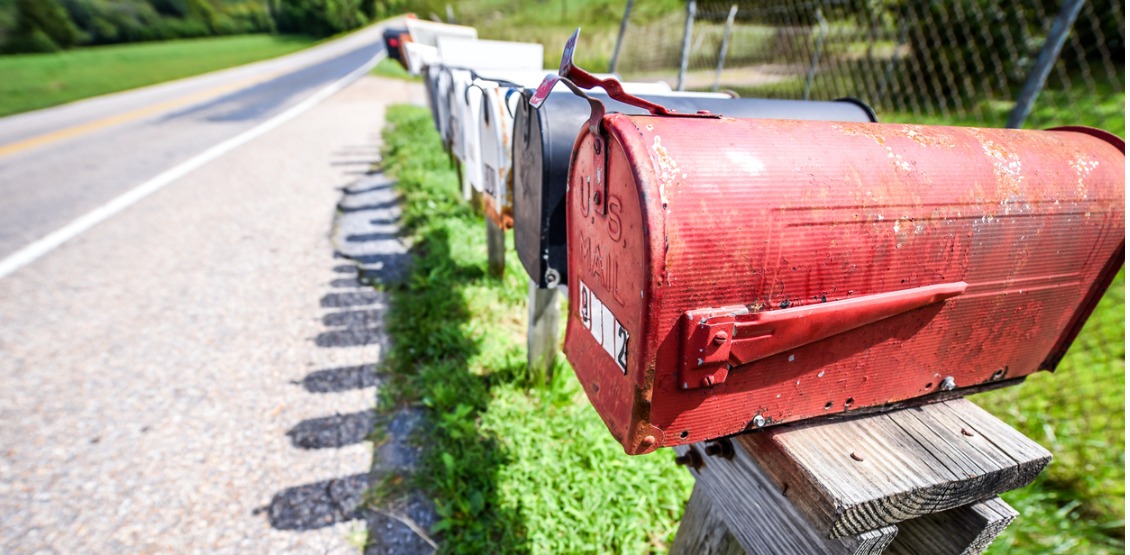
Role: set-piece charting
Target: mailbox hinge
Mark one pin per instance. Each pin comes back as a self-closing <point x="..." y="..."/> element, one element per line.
<point x="715" y="340"/>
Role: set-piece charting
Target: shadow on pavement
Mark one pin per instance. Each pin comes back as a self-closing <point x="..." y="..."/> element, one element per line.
<point x="356" y="318"/>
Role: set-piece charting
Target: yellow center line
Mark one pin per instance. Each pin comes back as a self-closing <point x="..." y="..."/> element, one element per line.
<point x="126" y="117"/>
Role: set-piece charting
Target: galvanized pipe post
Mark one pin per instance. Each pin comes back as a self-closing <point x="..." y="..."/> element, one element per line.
<point x="620" y="37"/>
<point x="541" y="333"/>
<point x="725" y="45"/>
<point x="692" y="8"/>
<point x="1061" y="27"/>
<point x="808" y="79"/>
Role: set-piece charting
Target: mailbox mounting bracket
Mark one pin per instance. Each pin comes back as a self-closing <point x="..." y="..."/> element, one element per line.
<point x="715" y="340"/>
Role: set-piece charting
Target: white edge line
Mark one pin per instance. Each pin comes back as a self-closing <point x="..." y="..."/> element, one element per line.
<point x="33" y="251"/>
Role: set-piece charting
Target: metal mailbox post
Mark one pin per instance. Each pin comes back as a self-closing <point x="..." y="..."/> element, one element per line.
<point x="729" y="274"/>
<point x="543" y="143"/>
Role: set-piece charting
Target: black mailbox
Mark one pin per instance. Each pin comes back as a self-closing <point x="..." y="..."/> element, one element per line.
<point x="543" y="143"/>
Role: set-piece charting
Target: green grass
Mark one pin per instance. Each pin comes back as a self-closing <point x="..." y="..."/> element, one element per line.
<point x="515" y="464"/>
<point x="551" y="22"/>
<point x="33" y="81"/>
<point x="393" y="70"/>
<point x="1077" y="504"/>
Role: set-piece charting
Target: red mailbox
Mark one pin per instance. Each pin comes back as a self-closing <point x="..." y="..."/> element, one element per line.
<point x="731" y="274"/>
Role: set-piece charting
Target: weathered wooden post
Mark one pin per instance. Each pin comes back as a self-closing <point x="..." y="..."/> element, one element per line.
<point x="915" y="480"/>
<point x="496" y="249"/>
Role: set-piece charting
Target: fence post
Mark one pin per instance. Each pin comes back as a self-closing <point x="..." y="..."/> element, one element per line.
<point x="692" y="8"/>
<point x="815" y="53"/>
<point x="1061" y="27"/>
<point x="725" y="45"/>
<point x="620" y="37"/>
<point x="541" y="333"/>
<point x="889" y="70"/>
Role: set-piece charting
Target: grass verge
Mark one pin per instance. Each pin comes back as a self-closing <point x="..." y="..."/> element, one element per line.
<point x="34" y="81"/>
<point x="515" y="465"/>
<point x="393" y="70"/>
<point x="1077" y="504"/>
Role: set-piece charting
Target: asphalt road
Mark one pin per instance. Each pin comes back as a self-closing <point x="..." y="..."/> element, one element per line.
<point x="196" y="373"/>
<point x="60" y="163"/>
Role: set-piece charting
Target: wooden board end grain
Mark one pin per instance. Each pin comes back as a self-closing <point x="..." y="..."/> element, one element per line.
<point x="860" y="474"/>
<point x="764" y="521"/>
<point x="965" y="530"/>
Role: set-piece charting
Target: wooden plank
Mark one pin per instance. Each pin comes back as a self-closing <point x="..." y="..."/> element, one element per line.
<point x="965" y="530"/>
<point x="764" y="521"/>
<point x="702" y="530"/>
<point x="496" y="249"/>
<point x="860" y="474"/>
<point x="541" y="334"/>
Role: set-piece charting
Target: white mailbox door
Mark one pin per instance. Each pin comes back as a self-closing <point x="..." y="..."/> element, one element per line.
<point x="429" y="32"/>
<point x="490" y="54"/>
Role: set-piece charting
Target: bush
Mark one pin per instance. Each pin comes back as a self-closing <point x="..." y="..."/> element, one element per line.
<point x="322" y="18"/>
<point x="41" y="26"/>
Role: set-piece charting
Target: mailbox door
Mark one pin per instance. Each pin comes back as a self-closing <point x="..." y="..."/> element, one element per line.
<point x="495" y="129"/>
<point x="431" y="81"/>
<point x="767" y="216"/>
<point x="530" y="224"/>
<point x="470" y="111"/>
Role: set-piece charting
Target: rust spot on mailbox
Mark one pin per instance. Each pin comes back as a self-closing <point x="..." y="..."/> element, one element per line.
<point x="846" y="266"/>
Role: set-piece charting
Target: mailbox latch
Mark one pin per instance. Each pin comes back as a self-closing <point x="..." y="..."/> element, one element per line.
<point x="715" y="340"/>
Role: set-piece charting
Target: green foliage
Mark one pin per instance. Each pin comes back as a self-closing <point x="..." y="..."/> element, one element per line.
<point x="32" y="81"/>
<point x="392" y="69"/>
<point x="322" y="18"/>
<point x="515" y="465"/>
<point x="41" y="26"/>
<point x="956" y="38"/>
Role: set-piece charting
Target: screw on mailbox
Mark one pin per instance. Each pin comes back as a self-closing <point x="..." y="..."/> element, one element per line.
<point x="759" y="421"/>
<point x="720" y="337"/>
<point x="948" y="384"/>
<point x="691" y="458"/>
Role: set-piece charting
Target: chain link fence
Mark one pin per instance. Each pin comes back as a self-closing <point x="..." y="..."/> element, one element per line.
<point x="962" y="62"/>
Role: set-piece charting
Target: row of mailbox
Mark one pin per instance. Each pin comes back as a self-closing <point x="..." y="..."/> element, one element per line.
<point x="737" y="263"/>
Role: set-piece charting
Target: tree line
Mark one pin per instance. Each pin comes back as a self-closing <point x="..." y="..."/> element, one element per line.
<point x="53" y="25"/>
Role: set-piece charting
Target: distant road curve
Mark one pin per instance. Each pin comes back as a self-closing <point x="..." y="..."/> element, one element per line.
<point x="67" y="168"/>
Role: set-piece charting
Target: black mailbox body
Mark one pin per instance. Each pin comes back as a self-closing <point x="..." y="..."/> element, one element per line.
<point x="543" y="144"/>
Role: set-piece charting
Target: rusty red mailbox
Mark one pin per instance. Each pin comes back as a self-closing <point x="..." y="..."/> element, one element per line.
<point x="729" y="274"/>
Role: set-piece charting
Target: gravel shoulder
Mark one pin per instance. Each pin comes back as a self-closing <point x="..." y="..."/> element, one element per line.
<point x="169" y="384"/>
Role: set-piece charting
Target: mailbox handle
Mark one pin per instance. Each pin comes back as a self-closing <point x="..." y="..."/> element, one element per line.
<point x="717" y="339"/>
